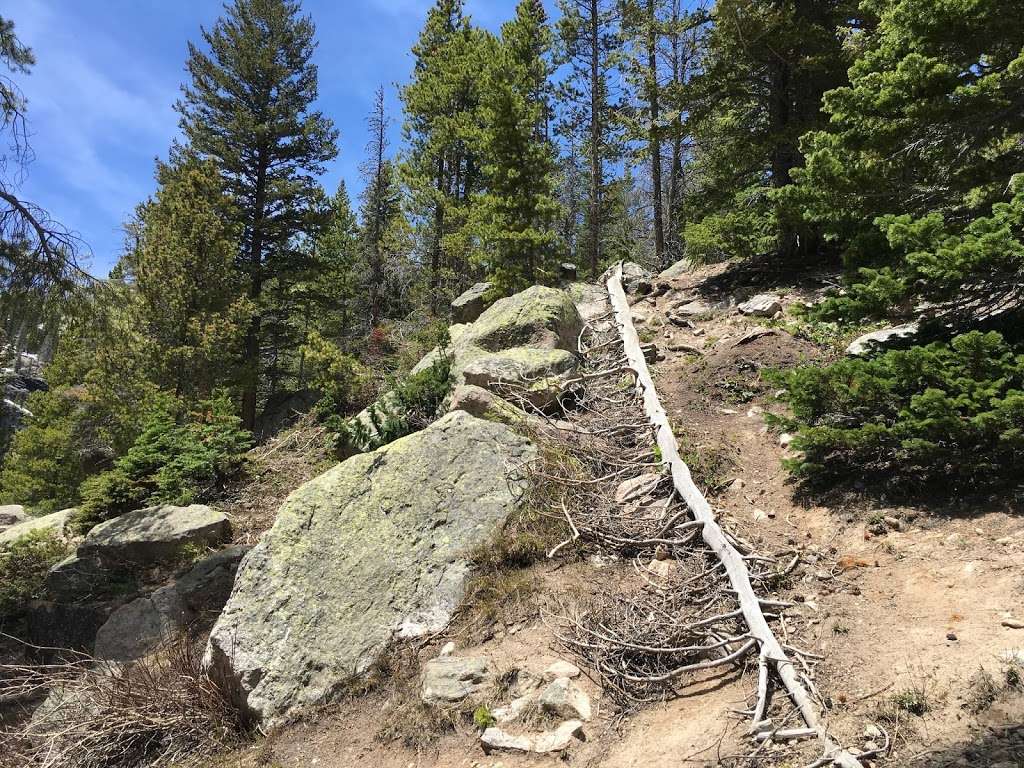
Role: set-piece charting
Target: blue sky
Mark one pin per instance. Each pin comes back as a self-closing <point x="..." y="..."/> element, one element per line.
<point x="102" y="92"/>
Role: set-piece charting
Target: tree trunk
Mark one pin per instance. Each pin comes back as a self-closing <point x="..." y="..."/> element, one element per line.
<point x="251" y="355"/>
<point x="596" y="181"/>
<point x="435" y="251"/>
<point x="654" y="141"/>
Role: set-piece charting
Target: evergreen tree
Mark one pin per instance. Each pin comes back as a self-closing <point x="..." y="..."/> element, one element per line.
<point x="515" y="217"/>
<point x="440" y="167"/>
<point x="381" y="205"/>
<point x="767" y="65"/>
<point x="914" y="176"/>
<point x="191" y="306"/>
<point x="248" y="108"/>
<point x="590" y="40"/>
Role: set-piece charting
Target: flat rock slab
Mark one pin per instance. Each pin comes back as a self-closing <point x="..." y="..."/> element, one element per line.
<point x="871" y="342"/>
<point x="154" y="535"/>
<point x="376" y="548"/>
<point x="55" y="523"/>
<point x="762" y="305"/>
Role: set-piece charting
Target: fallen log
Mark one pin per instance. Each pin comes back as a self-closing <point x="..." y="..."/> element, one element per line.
<point x="771" y="655"/>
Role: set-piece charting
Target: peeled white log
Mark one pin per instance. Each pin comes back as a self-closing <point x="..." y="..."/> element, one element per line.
<point x="771" y="651"/>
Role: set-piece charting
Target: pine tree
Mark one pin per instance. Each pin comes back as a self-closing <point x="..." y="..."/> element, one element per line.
<point x="515" y="217"/>
<point x="589" y="41"/>
<point x="767" y="66"/>
<point x="440" y="167"/>
<point x="248" y="108"/>
<point x="191" y="305"/>
<point x="381" y="204"/>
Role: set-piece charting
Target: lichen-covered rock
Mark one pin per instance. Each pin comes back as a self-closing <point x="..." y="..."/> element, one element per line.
<point x="484" y="404"/>
<point x="55" y="523"/>
<point x="12" y="514"/>
<point x="762" y="305"/>
<point x="545" y="318"/>
<point x="565" y="699"/>
<point x="375" y="548"/>
<point x="451" y="679"/>
<point x="154" y="535"/>
<point x="191" y="602"/>
<point x="537" y="374"/>
<point x="469" y="306"/>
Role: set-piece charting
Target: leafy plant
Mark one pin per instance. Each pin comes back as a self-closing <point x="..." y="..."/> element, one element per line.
<point x="482" y="718"/>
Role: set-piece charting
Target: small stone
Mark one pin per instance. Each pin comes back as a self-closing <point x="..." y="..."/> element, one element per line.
<point x="496" y="738"/>
<point x="893" y="522"/>
<point x="448" y="649"/>
<point x="675" y="345"/>
<point x="728" y="411"/>
<point x="873" y="732"/>
<point x="451" y="679"/>
<point x="762" y="305"/>
<point x="870" y="746"/>
<point x="566" y="700"/>
<point x="755" y="410"/>
<point x="951" y="636"/>
<point x="785" y="439"/>
<point x="759" y="515"/>
<point x="737" y="485"/>
<point x="1013" y="623"/>
<point x="561" y="669"/>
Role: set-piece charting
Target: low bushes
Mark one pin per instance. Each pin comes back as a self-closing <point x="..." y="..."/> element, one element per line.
<point x="24" y="564"/>
<point x="940" y="416"/>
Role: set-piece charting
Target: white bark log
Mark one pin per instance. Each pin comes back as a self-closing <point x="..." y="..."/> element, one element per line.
<point x="739" y="577"/>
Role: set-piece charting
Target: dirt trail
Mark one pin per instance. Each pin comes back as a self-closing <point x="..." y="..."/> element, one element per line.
<point x="907" y="620"/>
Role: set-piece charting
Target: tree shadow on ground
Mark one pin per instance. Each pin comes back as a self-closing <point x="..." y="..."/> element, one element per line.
<point x="1000" y="747"/>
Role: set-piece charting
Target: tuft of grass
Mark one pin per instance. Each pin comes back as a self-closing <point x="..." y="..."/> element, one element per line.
<point x="913" y="700"/>
<point x="482" y="718"/>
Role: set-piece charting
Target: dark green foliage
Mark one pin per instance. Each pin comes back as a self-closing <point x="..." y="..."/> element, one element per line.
<point x="24" y="564"/>
<point x="947" y="416"/>
<point x="174" y="461"/>
<point x="410" y="406"/>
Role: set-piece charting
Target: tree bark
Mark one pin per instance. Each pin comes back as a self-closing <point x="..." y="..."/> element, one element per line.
<point x="654" y="142"/>
<point x="596" y="180"/>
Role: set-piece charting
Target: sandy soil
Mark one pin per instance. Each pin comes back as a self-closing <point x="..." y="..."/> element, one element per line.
<point x="909" y="615"/>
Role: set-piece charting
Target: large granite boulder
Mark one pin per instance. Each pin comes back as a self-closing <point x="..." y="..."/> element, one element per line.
<point x="55" y="523"/>
<point x="376" y="548"/>
<point x="470" y="305"/>
<point x="192" y="602"/>
<point x="539" y="319"/>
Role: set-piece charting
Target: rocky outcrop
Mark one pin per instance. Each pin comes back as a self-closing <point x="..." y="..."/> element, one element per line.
<point x="375" y="548"/>
<point x="471" y="304"/>
<point x="539" y="375"/>
<point x="55" y="523"/>
<point x="192" y="602"/>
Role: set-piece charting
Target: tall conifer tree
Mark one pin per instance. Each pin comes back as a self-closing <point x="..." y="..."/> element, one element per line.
<point x="249" y="108"/>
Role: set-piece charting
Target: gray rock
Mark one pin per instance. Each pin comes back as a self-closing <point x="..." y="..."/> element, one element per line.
<point x="762" y="305"/>
<point x="567" y="271"/>
<point x="536" y="374"/>
<point x="591" y="300"/>
<point x="154" y="535"/>
<point x="565" y="699"/>
<point x="56" y="523"/>
<point x="57" y="627"/>
<point x="451" y="679"/>
<point x="635" y="487"/>
<point x="77" y="578"/>
<point x="191" y="603"/>
<point x="375" y="548"/>
<point x="484" y="404"/>
<point x="678" y="269"/>
<point x="12" y="514"/>
<point x="871" y="342"/>
<point x="681" y="314"/>
<point x="561" y="669"/>
<point x="470" y="305"/>
<point x="636" y="280"/>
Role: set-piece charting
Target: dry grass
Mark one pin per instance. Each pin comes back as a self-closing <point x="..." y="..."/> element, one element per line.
<point x="161" y="711"/>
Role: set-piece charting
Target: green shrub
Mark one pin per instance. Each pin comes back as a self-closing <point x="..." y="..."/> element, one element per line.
<point x="944" y="415"/>
<point x="412" y="405"/>
<point x="341" y="379"/>
<point x="172" y="462"/>
<point x="24" y="564"/>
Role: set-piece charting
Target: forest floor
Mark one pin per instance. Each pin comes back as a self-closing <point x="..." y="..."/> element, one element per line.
<point x="905" y="604"/>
